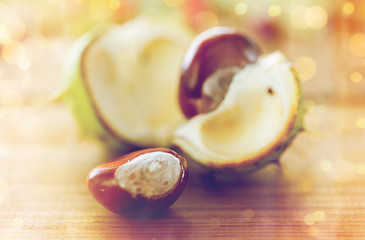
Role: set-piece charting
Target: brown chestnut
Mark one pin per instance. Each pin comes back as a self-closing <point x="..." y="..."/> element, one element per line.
<point x="209" y="65"/>
<point x="141" y="183"/>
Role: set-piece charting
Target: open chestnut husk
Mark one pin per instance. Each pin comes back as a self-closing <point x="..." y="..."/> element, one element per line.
<point x="141" y="183"/>
<point x="244" y="108"/>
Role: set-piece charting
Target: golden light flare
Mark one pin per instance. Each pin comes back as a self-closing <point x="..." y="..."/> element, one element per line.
<point x="306" y="67"/>
<point x="348" y="8"/>
<point x="174" y="3"/>
<point x="240" y="8"/>
<point x="360" y="169"/>
<point x="97" y="10"/>
<point x="360" y="123"/>
<point x="316" y="17"/>
<point x="356" y="77"/>
<point x="357" y="45"/>
<point x="13" y="51"/>
<point x="114" y="5"/>
<point x="4" y="35"/>
<point x="274" y="11"/>
<point x="313" y="217"/>
<point x="16" y="28"/>
<point x="326" y="165"/>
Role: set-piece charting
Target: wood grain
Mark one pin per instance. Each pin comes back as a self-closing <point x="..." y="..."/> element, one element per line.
<point x="316" y="193"/>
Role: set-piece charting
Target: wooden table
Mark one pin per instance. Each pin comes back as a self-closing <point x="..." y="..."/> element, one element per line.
<point x="317" y="193"/>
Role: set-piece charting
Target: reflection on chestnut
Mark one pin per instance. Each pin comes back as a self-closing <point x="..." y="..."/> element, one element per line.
<point x="141" y="183"/>
<point x="210" y="63"/>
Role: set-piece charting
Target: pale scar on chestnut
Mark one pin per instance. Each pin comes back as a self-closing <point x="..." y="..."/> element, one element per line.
<point x="144" y="182"/>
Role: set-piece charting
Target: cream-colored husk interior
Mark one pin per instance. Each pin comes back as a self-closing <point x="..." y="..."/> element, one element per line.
<point x="149" y="175"/>
<point x="257" y="109"/>
<point x="132" y="72"/>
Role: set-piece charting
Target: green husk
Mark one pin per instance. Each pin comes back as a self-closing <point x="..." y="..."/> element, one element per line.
<point x="75" y="93"/>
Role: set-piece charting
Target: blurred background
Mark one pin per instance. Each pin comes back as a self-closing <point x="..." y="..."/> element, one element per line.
<point x="325" y="40"/>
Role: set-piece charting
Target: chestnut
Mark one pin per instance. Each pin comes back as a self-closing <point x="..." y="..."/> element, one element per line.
<point x="209" y="65"/>
<point x="244" y="108"/>
<point x="141" y="183"/>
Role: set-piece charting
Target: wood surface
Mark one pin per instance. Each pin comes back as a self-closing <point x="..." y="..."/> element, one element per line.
<point x="318" y="191"/>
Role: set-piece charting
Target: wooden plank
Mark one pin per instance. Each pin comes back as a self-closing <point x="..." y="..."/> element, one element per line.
<point x="317" y="193"/>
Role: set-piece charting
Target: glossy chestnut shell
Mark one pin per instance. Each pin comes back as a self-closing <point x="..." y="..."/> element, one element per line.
<point x="220" y="48"/>
<point x="105" y="189"/>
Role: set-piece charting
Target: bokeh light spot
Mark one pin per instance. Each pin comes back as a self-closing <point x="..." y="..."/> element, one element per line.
<point x="16" y="28"/>
<point x="114" y="5"/>
<point x="4" y="35"/>
<point x="240" y="8"/>
<point x="319" y="216"/>
<point x="309" y="219"/>
<point x="274" y="10"/>
<point x="12" y="52"/>
<point x="348" y="8"/>
<point x="360" y="123"/>
<point x="316" y="17"/>
<point x="326" y="165"/>
<point x="360" y="169"/>
<point x="306" y="67"/>
<point x="356" y="77"/>
<point x="357" y="45"/>
<point x="313" y="217"/>
<point x="248" y="214"/>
